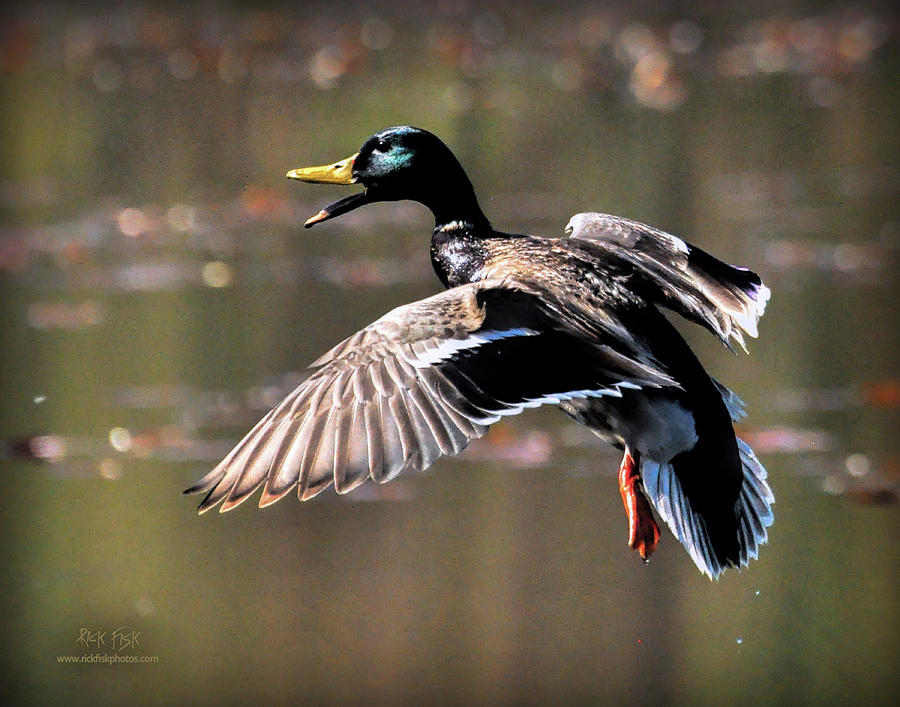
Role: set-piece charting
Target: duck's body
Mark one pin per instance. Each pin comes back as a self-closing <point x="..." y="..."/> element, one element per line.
<point x="527" y="321"/>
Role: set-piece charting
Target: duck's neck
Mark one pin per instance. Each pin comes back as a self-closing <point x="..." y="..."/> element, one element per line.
<point x="459" y="248"/>
<point x="461" y="212"/>
<point x="451" y="198"/>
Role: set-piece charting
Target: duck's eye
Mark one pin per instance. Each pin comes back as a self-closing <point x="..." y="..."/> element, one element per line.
<point x="381" y="146"/>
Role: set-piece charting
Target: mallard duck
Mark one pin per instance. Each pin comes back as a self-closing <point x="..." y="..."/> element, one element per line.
<point x="525" y="321"/>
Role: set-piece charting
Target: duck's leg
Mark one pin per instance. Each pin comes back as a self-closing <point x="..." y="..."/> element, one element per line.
<point x="643" y="532"/>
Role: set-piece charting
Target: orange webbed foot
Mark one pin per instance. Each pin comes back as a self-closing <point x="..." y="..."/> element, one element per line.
<point x="643" y="532"/>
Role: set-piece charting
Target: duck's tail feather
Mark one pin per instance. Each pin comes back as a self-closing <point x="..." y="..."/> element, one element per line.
<point x="721" y="542"/>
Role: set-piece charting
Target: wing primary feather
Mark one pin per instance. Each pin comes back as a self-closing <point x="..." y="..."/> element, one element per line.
<point x="437" y="424"/>
<point x="357" y="457"/>
<point x="284" y="468"/>
<point x="211" y="480"/>
<point x="235" y="468"/>
<point x="405" y="427"/>
<point x="309" y="440"/>
<point x="429" y="432"/>
<point x="443" y="391"/>
<point x="342" y="428"/>
<point x="374" y="443"/>
<point x="391" y="445"/>
<point x="321" y="466"/>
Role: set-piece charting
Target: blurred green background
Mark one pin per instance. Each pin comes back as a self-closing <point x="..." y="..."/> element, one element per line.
<point x="159" y="294"/>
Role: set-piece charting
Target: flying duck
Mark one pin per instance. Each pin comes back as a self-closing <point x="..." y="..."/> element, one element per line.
<point x="525" y="321"/>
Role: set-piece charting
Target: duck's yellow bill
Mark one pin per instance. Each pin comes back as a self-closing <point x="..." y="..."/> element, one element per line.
<point x="337" y="173"/>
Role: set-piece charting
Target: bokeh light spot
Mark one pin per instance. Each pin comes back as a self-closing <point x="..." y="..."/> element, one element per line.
<point x="120" y="439"/>
<point x="217" y="274"/>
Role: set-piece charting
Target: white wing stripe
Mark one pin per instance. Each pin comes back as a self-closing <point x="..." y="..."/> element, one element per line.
<point x="550" y="399"/>
<point x="446" y="349"/>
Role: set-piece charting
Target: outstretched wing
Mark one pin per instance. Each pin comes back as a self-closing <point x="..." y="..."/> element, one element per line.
<point x="725" y="299"/>
<point x="420" y="382"/>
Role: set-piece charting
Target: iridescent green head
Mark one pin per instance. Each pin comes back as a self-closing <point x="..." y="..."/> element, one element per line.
<point x="399" y="163"/>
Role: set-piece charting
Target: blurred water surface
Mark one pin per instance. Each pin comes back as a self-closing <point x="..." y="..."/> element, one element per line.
<point x="159" y="295"/>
